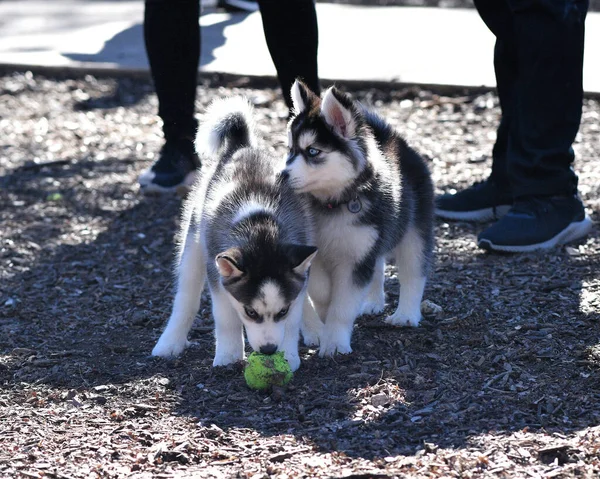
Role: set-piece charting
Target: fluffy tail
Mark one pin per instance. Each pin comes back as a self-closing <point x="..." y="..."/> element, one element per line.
<point x="228" y="124"/>
<point x="381" y="128"/>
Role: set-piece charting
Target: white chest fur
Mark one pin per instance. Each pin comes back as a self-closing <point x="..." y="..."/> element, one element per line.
<point x="341" y="241"/>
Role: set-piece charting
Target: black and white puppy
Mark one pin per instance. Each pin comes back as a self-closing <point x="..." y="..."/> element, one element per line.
<point x="371" y="196"/>
<point x="252" y="237"/>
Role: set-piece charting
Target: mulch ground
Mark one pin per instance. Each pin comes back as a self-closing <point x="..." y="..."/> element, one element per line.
<point x="504" y="382"/>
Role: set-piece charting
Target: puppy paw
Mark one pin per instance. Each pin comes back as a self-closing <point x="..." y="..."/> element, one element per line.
<point x="169" y="346"/>
<point x="335" y="343"/>
<point x="400" y="319"/>
<point x="224" y="359"/>
<point x="373" y="306"/>
<point x="293" y="360"/>
<point x="310" y="337"/>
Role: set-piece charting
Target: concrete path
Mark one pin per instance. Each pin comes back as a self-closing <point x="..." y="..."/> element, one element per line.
<point x="401" y="44"/>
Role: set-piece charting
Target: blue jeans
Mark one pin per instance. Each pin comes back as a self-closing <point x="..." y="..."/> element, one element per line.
<point x="538" y="60"/>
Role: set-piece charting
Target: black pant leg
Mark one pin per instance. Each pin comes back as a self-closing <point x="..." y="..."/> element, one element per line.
<point x="292" y="36"/>
<point x="505" y="70"/>
<point x="498" y="18"/>
<point x="549" y="35"/>
<point x="172" y="37"/>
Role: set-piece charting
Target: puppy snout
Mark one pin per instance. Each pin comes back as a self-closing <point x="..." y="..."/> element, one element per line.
<point x="268" y="349"/>
<point x="285" y="175"/>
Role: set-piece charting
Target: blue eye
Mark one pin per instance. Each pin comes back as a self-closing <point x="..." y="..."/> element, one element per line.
<point x="250" y="312"/>
<point x="312" y="152"/>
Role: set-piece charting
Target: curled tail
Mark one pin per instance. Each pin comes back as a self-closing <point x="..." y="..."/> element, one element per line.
<point x="382" y="129"/>
<point x="228" y="124"/>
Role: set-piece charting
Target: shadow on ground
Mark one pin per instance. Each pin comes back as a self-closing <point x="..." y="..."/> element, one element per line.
<point x="125" y="46"/>
<point x="84" y="307"/>
<point x="85" y="288"/>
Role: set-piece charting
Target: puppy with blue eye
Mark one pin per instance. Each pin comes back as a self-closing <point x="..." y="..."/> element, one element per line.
<point x="371" y="197"/>
<point x="251" y="236"/>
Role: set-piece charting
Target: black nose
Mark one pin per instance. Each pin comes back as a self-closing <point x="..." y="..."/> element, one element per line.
<point x="268" y="349"/>
<point x="285" y="175"/>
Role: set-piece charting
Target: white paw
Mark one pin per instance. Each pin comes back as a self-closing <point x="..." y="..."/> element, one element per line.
<point x="338" y="342"/>
<point x="373" y="306"/>
<point x="169" y="346"/>
<point x="310" y="337"/>
<point x="293" y="360"/>
<point x="224" y="359"/>
<point x="401" y="319"/>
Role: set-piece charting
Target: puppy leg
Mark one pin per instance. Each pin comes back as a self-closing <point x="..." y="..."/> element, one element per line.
<point x="375" y="302"/>
<point x="319" y="288"/>
<point x="190" y="283"/>
<point x="411" y="276"/>
<point x="312" y="326"/>
<point x="346" y="303"/>
<point x="229" y="332"/>
<point x="292" y="335"/>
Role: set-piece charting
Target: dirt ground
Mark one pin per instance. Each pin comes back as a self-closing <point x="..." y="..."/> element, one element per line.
<point x="503" y="383"/>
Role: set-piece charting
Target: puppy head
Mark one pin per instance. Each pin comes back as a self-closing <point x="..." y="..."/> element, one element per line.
<point x="327" y="150"/>
<point x="266" y="289"/>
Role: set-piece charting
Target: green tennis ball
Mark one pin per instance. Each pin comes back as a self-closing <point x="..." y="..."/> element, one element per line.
<point x="264" y="371"/>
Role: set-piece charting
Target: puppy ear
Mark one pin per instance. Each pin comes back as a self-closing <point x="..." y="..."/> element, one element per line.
<point x="300" y="257"/>
<point x="302" y="97"/>
<point x="229" y="263"/>
<point x="337" y="111"/>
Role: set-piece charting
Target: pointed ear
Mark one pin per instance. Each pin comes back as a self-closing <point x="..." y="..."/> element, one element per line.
<point x="337" y="111"/>
<point x="302" y="97"/>
<point x="300" y="257"/>
<point x="228" y="263"/>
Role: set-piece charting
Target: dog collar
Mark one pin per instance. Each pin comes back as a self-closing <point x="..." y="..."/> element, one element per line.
<point x="354" y="205"/>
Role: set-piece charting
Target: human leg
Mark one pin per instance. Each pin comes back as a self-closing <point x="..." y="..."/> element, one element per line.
<point x="549" y="97"/>
<point x="491" y="198"/>
<point x="547" y="111"/>
<point x="172" y="38"/>
<point x="292" y="36"/>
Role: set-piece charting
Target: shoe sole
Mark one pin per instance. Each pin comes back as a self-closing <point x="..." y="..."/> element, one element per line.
<point x="482" y="215"/>
<point x="572" y="232"/>
<point x="182" y="189"/>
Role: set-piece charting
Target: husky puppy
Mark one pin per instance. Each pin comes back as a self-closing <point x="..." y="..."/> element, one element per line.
<point x="251" y="236"/>
<point x="372" y="196"/>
